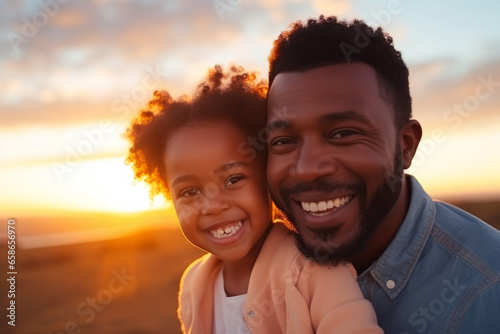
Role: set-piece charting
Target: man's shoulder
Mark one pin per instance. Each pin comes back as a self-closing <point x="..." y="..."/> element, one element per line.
<point x="464" y="250"/>
<point x="444" y="272"/>
<point x="447" y="213"/>
<point x="454" y="231"/>
<point x="462" y="233"/>
<point x="454" y="281"/>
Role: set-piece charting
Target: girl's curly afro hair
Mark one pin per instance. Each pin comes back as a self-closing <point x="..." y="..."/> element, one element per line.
<point x="235" y="96"/>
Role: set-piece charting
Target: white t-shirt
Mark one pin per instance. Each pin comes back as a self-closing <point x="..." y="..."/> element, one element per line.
<point x="228" y="311"/>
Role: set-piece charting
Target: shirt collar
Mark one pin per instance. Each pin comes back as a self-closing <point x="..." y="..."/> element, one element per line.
<point x="393" y="269"/>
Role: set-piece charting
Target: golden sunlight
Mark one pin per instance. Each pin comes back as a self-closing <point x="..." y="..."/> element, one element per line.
<point x="461" y="166"/>
<point x="114" y="191"/>
<point x="99" y="185"/>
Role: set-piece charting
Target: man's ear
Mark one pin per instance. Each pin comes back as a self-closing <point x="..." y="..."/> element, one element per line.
<point x="409" y="138"/>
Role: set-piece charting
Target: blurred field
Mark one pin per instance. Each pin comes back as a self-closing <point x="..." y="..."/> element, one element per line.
<point x="65" y="289"/>
<point x="75" y="289"/>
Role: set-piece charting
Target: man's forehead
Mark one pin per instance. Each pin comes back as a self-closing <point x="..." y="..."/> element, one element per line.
<point x="300" y="87"/>
<point x="335" y="89"/>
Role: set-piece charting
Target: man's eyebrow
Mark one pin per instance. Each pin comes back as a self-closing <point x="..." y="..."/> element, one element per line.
<point x="277" y="125"/>
<point x="328" y="118"/>
<point x="342" y="116"/>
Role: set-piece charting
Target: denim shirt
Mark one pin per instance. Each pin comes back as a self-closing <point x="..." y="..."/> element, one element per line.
<point x="440" y="274"/>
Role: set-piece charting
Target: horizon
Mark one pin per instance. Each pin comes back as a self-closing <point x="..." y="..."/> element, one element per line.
<point x="51" y="228"/>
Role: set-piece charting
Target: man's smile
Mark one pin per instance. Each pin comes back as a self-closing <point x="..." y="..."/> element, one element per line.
<point x="326" y="206"/>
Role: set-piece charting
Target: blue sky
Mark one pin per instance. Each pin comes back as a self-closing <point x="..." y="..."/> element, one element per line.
<point x="88" y="63"/>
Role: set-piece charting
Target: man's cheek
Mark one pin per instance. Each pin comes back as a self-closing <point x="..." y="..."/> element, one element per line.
<point x="276" y="167"/>
<point x="271" y="179"/>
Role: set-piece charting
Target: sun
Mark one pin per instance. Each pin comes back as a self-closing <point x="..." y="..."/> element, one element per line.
<point x="95" y="185"/>
<point x="114" y="188"/>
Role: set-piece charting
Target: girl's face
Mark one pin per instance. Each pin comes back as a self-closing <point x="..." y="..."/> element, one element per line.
<point x="219" y="192"/>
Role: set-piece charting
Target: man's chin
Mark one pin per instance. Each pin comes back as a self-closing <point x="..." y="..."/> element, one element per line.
<point x="321" y="251"/>
<point x="323" y="247"/>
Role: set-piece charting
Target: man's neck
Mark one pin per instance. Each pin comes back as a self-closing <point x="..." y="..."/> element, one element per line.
<point x="386" y="231"/>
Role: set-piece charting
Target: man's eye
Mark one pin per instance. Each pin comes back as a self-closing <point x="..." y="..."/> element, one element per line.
<point x="234" y="179"/>
<point x="190" y="192"/>
<point x="281" y="142"/>
<point x="342" y="133"/>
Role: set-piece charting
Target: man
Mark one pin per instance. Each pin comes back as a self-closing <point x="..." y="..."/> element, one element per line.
<point x="340" y="135"/>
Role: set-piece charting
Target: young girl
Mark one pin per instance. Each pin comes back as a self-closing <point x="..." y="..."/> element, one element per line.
<point x="209" y="157"/>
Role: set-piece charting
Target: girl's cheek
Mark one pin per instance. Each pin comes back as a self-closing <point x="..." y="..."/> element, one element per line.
<point x="188" y="212"/>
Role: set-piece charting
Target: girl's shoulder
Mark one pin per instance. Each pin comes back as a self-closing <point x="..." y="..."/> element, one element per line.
<point x="281" y="247"/>
<point x="200" y="271"/>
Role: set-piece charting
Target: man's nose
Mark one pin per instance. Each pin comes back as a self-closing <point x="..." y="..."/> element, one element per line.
<point x="314" y="161"/>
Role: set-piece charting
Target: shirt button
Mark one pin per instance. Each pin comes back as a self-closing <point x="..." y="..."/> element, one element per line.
<point x="250" y="314"/>
<point x="390" y="284"/>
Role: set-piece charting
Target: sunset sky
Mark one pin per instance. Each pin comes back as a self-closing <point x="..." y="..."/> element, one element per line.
<point x="74" y="73"/>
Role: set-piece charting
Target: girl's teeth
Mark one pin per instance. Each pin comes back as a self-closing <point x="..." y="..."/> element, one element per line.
<point x="227" y="232"/>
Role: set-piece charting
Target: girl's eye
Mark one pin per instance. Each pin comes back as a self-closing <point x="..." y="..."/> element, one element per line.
<point x="234" y="179"/>
<point x="190" y="192"/>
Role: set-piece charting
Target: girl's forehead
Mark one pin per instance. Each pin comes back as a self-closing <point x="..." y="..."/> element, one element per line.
<point x="204" y="149"/>
<point x="218" y="140"/>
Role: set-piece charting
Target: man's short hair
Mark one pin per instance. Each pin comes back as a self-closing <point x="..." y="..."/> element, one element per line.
<point x="328" y="41"/>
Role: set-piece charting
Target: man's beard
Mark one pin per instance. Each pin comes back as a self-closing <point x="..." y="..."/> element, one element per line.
<point x="371" y="214"/>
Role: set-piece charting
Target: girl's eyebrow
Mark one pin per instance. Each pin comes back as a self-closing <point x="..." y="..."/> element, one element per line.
<point x="181" y="179"/>
<point x="221" y="169"/>
<point x="230" y="165"/>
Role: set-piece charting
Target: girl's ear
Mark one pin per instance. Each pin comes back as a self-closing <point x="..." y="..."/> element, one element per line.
<point x="409" y="138"/>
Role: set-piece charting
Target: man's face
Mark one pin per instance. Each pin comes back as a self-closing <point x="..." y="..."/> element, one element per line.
<point x="335" y="166"/>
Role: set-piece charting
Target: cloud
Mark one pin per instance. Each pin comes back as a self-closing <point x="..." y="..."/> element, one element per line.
<point x="89" y="54"/>
<point x="445" y="89"/>
<point x="92" y="53"/>
<point x="329" y="7"/>
<point x="111" y="43"/>
<point x="66" y="19"/>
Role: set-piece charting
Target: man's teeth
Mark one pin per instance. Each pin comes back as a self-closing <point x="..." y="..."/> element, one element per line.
<point x="325" y="205"/>
<point x="227" y="231"/>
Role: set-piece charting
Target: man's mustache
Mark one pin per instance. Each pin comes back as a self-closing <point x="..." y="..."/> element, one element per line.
<point x="323" y="186"/>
